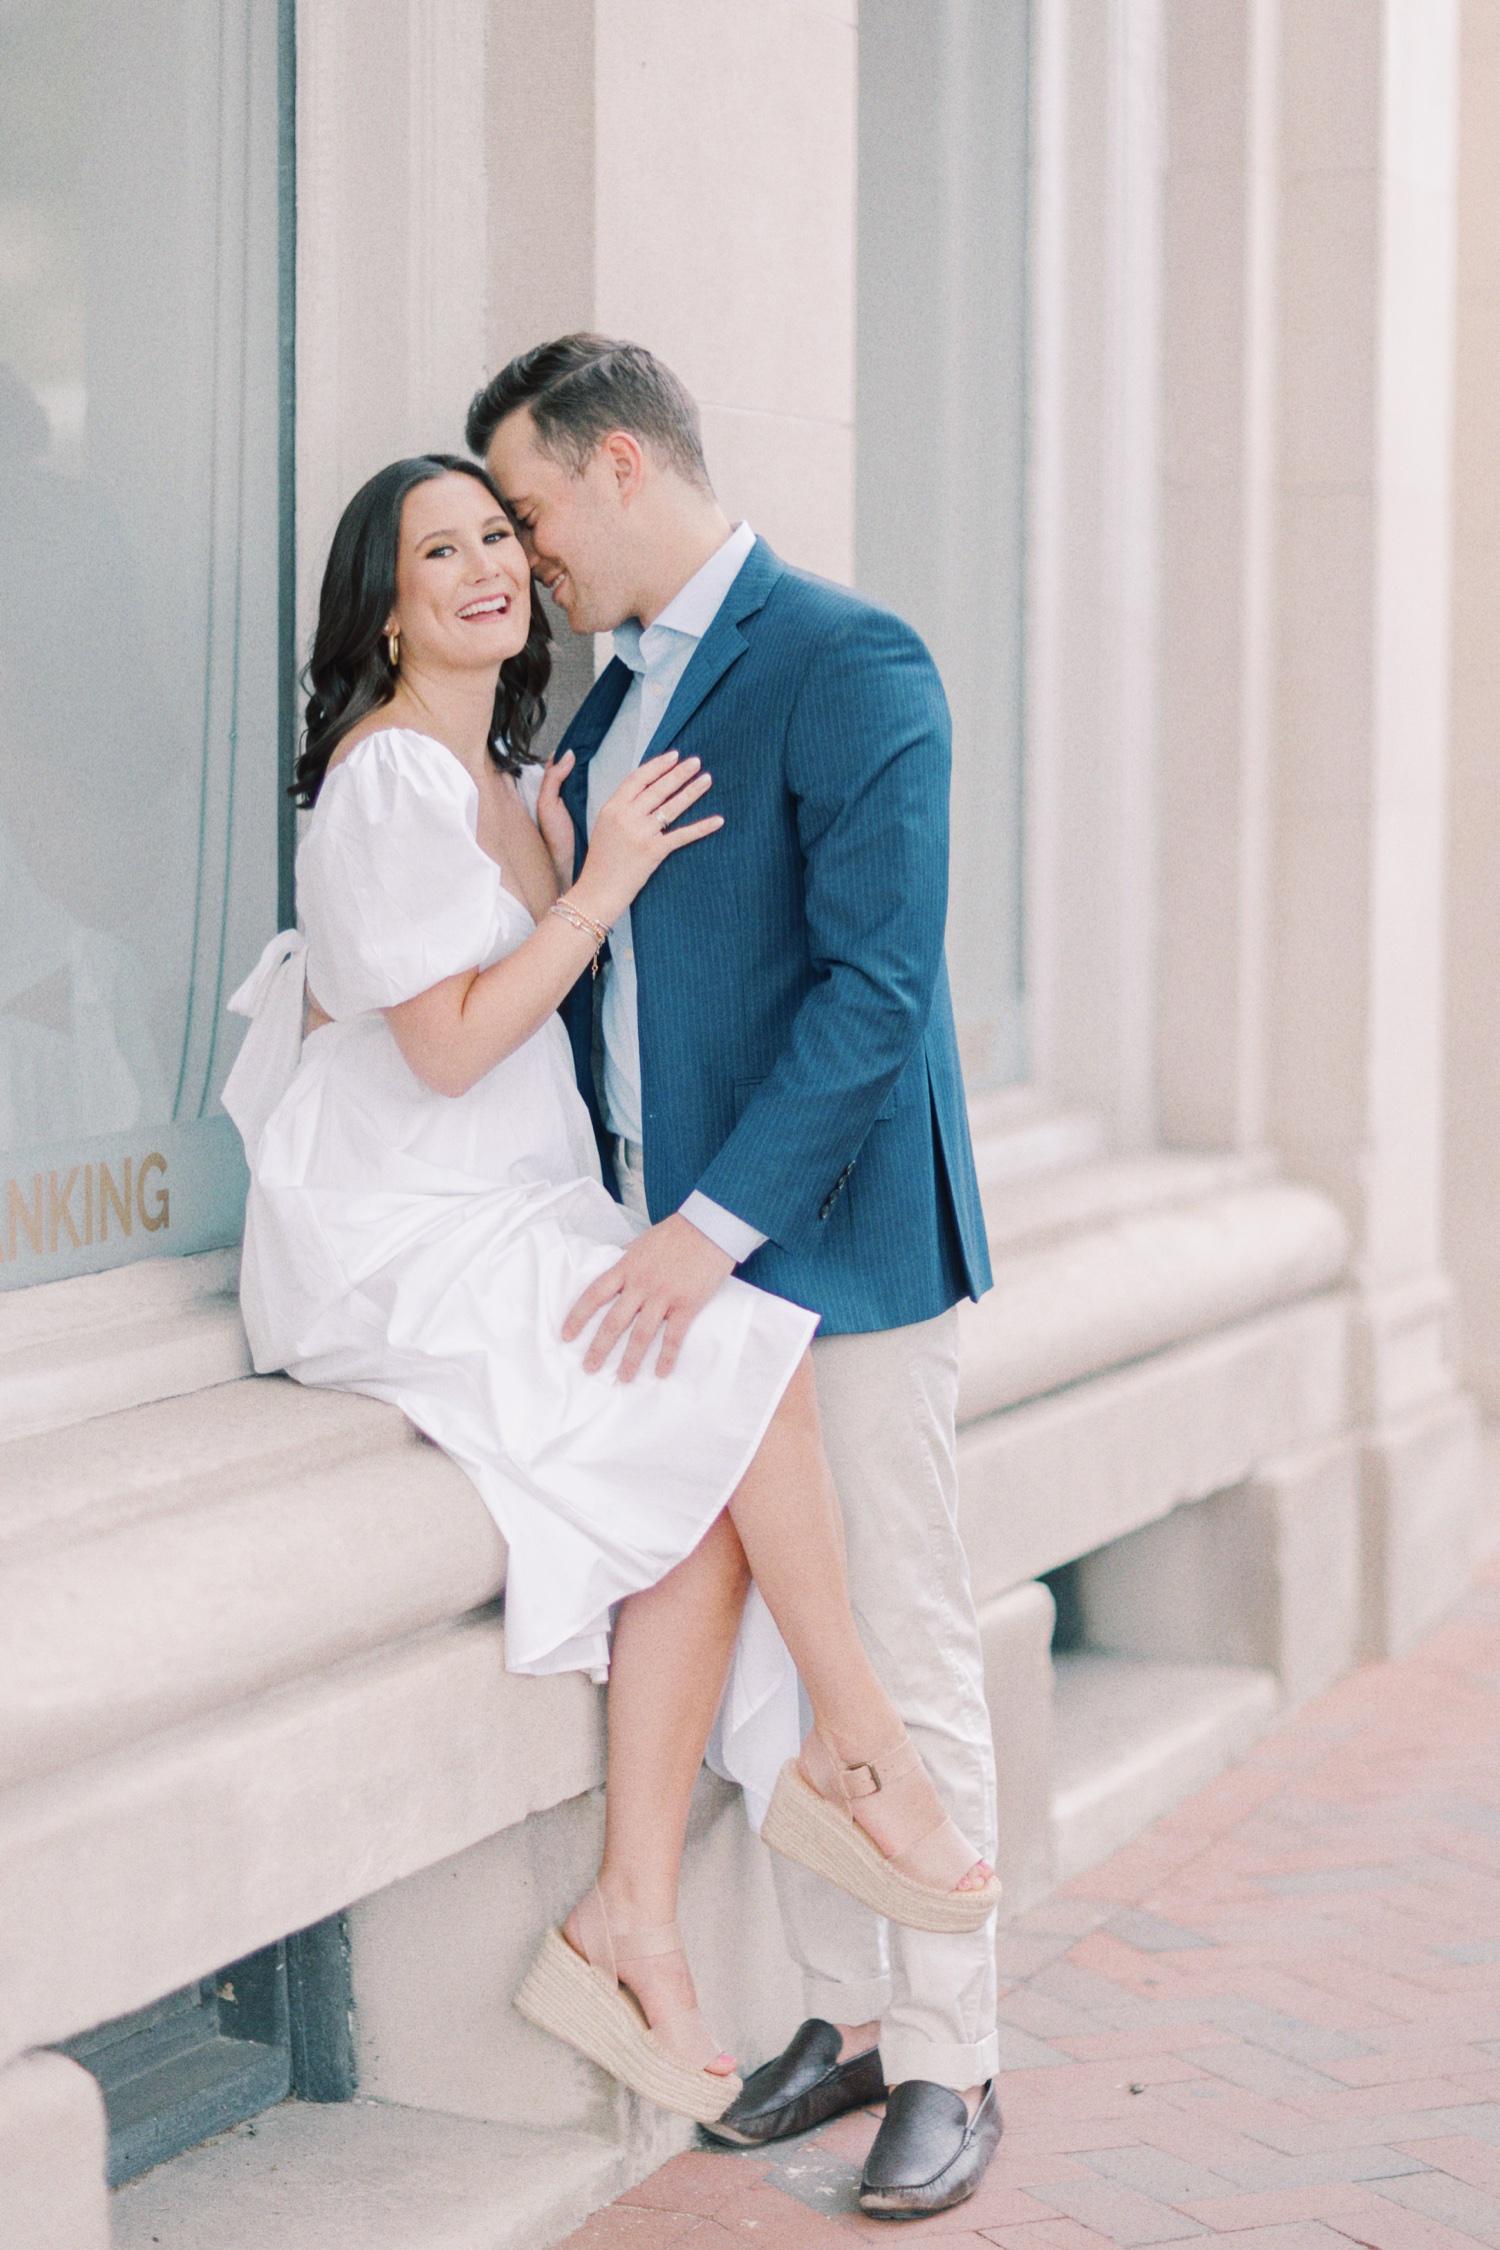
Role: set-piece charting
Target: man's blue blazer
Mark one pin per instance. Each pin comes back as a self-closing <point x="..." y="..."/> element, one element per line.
<point x="798" y="1057"/>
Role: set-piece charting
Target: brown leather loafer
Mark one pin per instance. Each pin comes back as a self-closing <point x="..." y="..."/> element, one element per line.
<point x="929" y="2153"/>
<point x="803" y="2086"/>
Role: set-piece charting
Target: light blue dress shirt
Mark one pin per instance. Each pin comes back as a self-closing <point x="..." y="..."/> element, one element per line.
<point x="657" y="654"/>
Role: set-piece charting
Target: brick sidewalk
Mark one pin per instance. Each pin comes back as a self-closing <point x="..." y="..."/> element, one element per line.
<point x="1270" y="2023"/>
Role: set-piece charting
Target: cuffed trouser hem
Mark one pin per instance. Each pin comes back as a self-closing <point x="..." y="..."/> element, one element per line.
<point x="906" y="2054"/>
<point x="862" y="2001"/>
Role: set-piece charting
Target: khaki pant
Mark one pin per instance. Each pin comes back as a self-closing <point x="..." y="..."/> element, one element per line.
<point x="887" y="1403"/>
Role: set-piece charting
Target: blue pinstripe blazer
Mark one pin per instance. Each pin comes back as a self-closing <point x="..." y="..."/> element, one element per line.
<point x="798" y="1057"/>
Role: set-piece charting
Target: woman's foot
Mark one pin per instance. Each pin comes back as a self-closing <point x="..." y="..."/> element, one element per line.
<point x="623" y="1997"/>
<point x="901" y="1812"/>
<point x="660" y="1982"/>
<point x="874" y="1825"/>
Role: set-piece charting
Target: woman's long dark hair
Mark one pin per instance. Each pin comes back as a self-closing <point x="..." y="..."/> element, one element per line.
<point x="350" y="673"/>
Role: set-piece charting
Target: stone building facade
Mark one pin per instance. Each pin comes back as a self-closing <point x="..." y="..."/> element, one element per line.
<point x="1143" y="352"/>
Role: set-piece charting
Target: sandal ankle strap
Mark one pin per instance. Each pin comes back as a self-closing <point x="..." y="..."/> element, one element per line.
<point x="648" y="1945"/>
<point x="609" y="1949"/>
<point x="871" y="1775"/>
<point x="682" y="2027"/>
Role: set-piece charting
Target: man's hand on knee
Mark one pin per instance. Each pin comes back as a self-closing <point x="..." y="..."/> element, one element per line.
<point x="658" y="1287"/>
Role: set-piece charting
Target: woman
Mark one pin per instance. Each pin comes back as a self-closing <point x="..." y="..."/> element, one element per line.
<point x="425" y="1208"/>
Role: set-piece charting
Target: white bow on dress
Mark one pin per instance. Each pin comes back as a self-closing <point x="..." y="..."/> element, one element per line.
<point x="274" y="997"/>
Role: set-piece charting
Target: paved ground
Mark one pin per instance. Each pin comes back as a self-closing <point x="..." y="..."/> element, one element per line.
<point x="1271" y="2023"/>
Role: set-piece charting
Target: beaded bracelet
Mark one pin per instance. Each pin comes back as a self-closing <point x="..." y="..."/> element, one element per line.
<point x="586" y="924"/>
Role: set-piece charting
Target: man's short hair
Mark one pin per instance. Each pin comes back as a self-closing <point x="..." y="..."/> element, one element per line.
<point x="580" y="388"/>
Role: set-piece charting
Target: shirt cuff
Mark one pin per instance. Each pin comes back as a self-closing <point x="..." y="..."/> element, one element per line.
<point x="735" y="1237"/>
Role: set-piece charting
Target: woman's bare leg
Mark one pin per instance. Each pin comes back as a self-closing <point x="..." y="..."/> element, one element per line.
<point x="672" y="1647"/>
<point x="786" y="1512"/>
<point x="670" y="1659"/>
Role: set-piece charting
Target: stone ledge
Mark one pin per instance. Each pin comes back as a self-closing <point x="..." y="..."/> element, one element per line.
<point x="248" y="1669"/>
<point x="1026" y="1209"/>
<point x="72" y="1349"/>
<point x="1048" y="1481"/>
<point x="191" y="1550"/>
<point x="132" y="1873"/>
<point x="1095" y="1271"/>
<point x="104" y="1474"/>
<point x="1096" y="1264"/>
<point x="149" y="1620"/>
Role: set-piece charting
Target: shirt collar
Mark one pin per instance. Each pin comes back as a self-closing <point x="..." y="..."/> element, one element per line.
<point x="693" y="608"/>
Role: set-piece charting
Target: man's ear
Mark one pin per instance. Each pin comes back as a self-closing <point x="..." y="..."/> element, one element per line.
<point x="626" y="457"/>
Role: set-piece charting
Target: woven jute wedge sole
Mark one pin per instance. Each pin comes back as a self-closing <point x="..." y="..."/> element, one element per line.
<point x="803" y="1826"/>
<point x="560" y="1993"/>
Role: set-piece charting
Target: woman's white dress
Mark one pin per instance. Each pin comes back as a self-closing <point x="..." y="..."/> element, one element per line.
<point x="426" y="1250"/>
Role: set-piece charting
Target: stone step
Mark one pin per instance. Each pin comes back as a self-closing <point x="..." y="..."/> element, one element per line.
<point x="128" y="1875"/>
<point x="368" y="2176"/>
<point x="70" y="1350"/>
<point x="182" y="1596"/>
<point x="1023" y="1210"/>
<point x="175" y="1453"/>
<point x="1099" y="1295"/>
<point x="1062" y="1475"/>
<point x="1131" y="1738"/>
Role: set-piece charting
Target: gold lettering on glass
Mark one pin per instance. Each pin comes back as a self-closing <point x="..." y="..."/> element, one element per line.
<point x="160" y="1212"/>
<point x="17" y="1212"/>
<point x="113" y="1196"/>
<point x="60" y="1211"/>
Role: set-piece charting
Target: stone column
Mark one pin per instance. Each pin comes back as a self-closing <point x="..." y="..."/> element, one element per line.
<point x="1368" y="101"/>
<point x="391" y="247"/>
<point x="1217" y="524"/>
<point x="1231" y="1579"/>
<point x="724" y="239"/>
<point x="682" y="172"/>
<point x="1472" y="1173"/>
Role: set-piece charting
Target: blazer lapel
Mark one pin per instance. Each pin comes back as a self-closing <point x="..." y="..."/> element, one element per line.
<point x="721" y="646"/>
<point x="585" y="731"/>
<point x="595" y="715"/>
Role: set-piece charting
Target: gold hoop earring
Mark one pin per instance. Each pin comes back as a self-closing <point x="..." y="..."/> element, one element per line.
<point x="393" y="650"/>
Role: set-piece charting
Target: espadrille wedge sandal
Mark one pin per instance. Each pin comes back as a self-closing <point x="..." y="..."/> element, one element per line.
<point x="578" y="1997"/>
<point x="812" y="1819"/>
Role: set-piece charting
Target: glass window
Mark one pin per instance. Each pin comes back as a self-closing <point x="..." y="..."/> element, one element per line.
<point x="141" y="357"/>
<point x="941" y="438"/>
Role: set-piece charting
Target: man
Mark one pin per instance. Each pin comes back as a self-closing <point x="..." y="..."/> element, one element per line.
<point x="774" y="1079"/>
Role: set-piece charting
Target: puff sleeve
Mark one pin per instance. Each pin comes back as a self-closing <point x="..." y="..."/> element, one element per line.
<point x="393" y="889"/>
